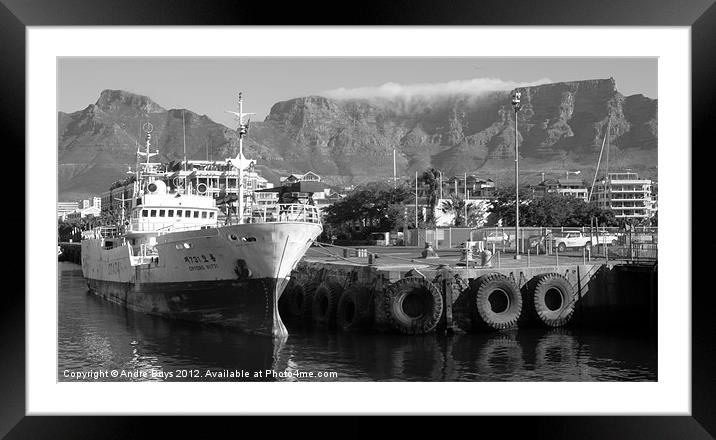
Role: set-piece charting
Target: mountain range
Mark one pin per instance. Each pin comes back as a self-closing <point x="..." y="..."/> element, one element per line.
<point x="560" y="128"/>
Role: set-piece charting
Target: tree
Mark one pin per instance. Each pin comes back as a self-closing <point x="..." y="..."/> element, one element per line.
<point x="455" y="206"/>
<point x="551" y="210"/>
<point x="503" y="205"/>
<point x="476" y="212"/>
<point x="376" y="206"/>
<point x="430" y="179"/>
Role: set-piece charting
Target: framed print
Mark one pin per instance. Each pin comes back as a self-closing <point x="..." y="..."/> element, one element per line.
<point x="223" y="246"/>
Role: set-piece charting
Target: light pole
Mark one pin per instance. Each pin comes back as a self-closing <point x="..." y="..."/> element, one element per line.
<point x="516" y="104"/>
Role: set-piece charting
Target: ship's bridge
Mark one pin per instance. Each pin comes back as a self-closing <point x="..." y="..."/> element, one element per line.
<point x="159" y="210"/>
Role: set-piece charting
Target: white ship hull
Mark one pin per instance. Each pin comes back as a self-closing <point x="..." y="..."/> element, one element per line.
<point x="231" y="275"/>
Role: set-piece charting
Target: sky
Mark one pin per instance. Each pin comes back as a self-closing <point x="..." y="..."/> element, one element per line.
<point x="210" y="85"/>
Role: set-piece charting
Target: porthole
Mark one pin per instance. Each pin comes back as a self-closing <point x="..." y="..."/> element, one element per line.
<point x="233" y="237"/>
<point x="248" y="239"/>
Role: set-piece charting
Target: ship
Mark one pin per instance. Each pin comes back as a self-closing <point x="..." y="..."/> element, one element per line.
<point x="177" y="254"/>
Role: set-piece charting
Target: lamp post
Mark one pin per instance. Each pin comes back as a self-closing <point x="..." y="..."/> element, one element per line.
<point x="516" y="104"/>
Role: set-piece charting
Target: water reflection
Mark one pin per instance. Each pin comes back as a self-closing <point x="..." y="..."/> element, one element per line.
<point x="95" y="334"/>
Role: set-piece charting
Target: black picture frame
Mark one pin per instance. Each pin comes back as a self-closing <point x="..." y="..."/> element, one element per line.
<point x="700" y="15"/>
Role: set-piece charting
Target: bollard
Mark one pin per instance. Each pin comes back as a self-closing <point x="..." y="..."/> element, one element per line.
<point x="345" y="253"/>
<point x="465" y="255"/>
<point x="429" y="252"/>
<point x="486" y="258"/>
<point x="556" y="253"/>
<point x="371" y="258"/>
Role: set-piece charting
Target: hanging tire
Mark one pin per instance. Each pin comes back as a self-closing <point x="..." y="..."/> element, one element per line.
<point x="413" y="305"/>
<point x="496" y="303"/>
<point x="550" y="302"/>
<point x="325" y="303"/>
<point x="462" y="309"/>
<point x="305" y="304"/>
<point x="355" y="309"/>
<point x="561" y="247"/>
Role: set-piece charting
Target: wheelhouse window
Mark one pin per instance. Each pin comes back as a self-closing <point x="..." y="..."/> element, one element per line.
<point x="161" y="213"/>
<point x="145" y="213"/>
<point x="187" y="213"/>
<point x="179" y="212"/>
<point x="153" y="213"/>
<point x="203" y="214"/>
<point x="211" y="215"/>
<point x="196" y="214"/>
<point x="170" y="212"/>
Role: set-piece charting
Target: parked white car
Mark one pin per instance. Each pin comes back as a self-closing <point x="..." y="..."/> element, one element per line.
<point x="576" y="239"/>
<point x="564" y="240"/>
<point x="608" y="238"/>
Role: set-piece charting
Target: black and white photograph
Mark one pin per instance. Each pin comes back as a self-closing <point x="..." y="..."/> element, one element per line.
<point x="452" y="217"/>
<point x="412" y="219"/>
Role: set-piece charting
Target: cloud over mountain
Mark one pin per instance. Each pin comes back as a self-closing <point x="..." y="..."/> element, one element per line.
<point x="391" y="90"/>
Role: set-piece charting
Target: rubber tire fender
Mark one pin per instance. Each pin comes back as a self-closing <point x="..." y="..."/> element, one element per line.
<point x="537" y="305"/>
<point x="484" y="316"/>
<point x="430" y="297"/>
<point x="355" y="309"/>
<point x="325" y="303"/>
<point x="308" y="289"/>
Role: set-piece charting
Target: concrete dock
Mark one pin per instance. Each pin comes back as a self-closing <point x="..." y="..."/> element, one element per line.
<point x="553" y="290"/>
<point x="395" y="289"/>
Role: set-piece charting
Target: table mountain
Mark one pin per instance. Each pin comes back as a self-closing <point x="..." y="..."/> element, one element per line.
<point x="560" y="127"/>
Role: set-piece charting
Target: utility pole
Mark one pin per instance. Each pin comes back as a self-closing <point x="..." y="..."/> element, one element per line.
<point x="395" y="179"/>
<point x="183" y="127"/>
<point x="516" y="104"/>
<point x="441" y="185"/>
<point x="465" y="214"/>
<point x="416" y="200"/>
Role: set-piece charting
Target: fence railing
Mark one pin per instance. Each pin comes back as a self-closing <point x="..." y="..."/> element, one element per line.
<point x="641" y="243"/>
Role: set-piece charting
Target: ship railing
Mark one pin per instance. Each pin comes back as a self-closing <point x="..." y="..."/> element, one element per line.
<point x="101" y="232"/>
<point x="283" y="212"/>
<point x="166" y="227"/>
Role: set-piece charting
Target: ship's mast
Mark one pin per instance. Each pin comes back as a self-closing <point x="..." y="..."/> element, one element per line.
<point x="242" y="132"/>
<point x="599" y="161"/>
<point x="239" y="161"/>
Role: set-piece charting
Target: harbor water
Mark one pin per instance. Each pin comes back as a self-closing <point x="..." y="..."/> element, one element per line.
<point x="97" y="337"/>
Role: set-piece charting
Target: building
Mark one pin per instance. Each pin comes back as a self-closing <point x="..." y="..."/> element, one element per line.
<point x="309" y="176"/>
<point x="628" y="196"/>
<point x="565" y="187"/>
<point x="84" y="212"/>
<point x="64" y="208"/>
<point x="302" y="188"/>
<point x="475" y="187"/>
<point x="218" y="179"/>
